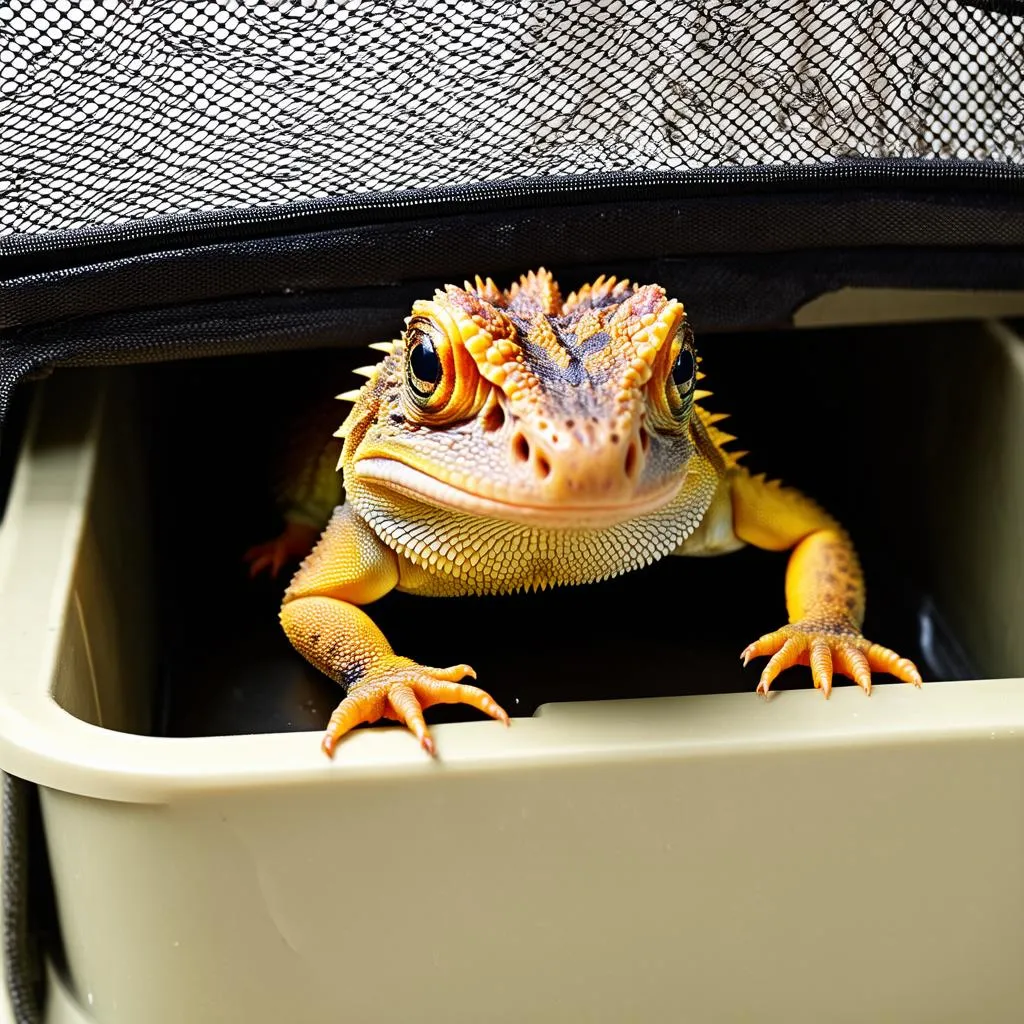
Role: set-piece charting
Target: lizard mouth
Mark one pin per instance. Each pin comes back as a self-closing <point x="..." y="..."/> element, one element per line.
<point x="414" y="483"/>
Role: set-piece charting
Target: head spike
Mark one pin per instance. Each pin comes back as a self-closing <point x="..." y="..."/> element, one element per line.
<point x="342" y="431"/>
<point x="383" y="346"/>
<point x="699" y="396"/>
<point x="365" y="371"/>
<point x="536" y="292"/>
<point x="602" y="291"/>
<point x="349" y="396"/>
<point x="487" y="290"/>
<point x="717" y="417"/>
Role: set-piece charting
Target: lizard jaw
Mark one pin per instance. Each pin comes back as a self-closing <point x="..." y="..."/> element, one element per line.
<point x="421" y="487"/>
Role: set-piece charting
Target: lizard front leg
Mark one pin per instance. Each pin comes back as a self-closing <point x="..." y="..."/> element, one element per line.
<point x="349" y="567"/>
<point x="824" y="589"/>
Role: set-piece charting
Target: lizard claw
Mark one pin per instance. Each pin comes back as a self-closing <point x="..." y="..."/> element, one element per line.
<point x="826" y="647"/>
<point x="401" y="689"/>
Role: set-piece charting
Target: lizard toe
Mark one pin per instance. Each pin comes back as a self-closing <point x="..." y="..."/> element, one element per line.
<point x="293" y="543"/>
<point x="827" y="649"/>
<point x="401" y="690"/>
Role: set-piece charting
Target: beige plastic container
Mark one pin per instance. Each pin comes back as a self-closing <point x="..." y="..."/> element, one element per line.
<point x="691" y="859"/>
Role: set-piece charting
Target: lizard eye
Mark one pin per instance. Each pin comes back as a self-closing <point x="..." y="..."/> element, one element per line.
<point x="424" y="366"/>
<point x="682" y="369"/>
<point x="423" y="363"/>
<point x="442" y="384"/>
<point x="678" y="389"/>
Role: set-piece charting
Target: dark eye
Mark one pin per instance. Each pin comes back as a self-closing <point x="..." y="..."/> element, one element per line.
<point x="424" y="364"/>
<point x="682" y="369"/>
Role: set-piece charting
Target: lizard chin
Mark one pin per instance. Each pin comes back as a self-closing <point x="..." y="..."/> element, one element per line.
<point x="412" y="483"/>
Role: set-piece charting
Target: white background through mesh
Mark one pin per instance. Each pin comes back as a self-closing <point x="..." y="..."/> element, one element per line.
<point x="112" y="110"/>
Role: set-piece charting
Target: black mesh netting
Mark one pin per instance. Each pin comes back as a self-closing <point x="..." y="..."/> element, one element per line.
<point x="112" y="110"/>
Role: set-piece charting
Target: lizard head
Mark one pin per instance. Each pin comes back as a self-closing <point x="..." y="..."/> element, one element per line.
<point x="521" y="406"/>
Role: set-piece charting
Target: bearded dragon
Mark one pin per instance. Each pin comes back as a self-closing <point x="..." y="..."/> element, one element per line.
<point x="515" y="440"/>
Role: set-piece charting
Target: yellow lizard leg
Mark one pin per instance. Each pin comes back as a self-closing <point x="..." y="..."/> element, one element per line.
<point x="348" y="567"/>
<point x="824" y="590"/>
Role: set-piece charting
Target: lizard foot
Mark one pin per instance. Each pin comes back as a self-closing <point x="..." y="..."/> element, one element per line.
<point x="401" y="689"/>
<point x="824" y="646"/>
<point x="295" y="541"/>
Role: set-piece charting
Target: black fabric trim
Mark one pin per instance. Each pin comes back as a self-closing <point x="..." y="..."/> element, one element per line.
<point x="458" y="246"/>
<point x="23" y="254"/>
<point x="22" y="960"/>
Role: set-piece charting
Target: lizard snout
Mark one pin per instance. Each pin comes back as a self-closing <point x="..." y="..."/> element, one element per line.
<point x="580" y="461"/>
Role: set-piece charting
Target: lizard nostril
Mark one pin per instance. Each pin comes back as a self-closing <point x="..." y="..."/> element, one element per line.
<point x="523" y="451"/>
<point x="631" y="460"/>
<point x="521" y="448"/>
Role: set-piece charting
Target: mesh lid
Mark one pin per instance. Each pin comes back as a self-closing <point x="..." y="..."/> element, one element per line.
<point x="182" y="178"/>
<point x="113" y="110"/>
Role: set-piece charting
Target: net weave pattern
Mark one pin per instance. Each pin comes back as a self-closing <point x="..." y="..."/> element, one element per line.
<point x="112" y="110"/>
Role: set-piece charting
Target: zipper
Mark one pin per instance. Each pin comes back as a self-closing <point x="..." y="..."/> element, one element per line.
<point x="64" y="250"/>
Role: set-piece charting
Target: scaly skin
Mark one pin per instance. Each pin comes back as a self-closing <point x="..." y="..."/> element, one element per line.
<point x="513" y="440"/>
